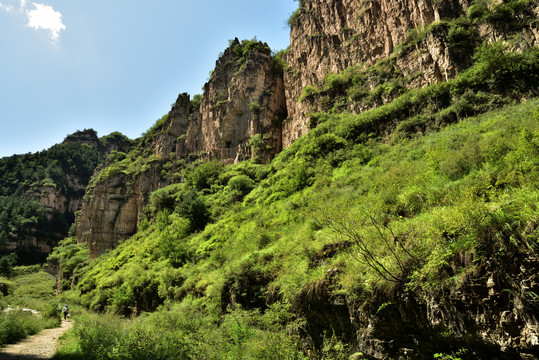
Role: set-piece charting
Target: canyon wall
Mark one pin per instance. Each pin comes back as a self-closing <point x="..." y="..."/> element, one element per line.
<point x="251" y="106"/>
<point x="329" y="36"/>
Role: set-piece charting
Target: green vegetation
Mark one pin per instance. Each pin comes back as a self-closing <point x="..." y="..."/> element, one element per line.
<point x="62" y="169"/>
<point x="31" y="288"/>
<point x="410" y="197"/>
<point x="246" y="46"/>
<point x="294" y="15"/>
<point x="7" y="263"/>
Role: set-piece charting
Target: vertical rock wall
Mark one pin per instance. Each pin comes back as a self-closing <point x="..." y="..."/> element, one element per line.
<point x="328" y="36"/>
<point x="239" y="116"/>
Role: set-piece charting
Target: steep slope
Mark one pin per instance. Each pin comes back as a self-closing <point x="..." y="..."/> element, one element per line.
<point x="425" y="246"/>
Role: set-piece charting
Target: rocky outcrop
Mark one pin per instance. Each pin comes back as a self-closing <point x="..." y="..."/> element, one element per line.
<point x="244" y="98"/>
<point x="111" y="210"/>
<point x="492" y="314"/>
<point x="87" y="136"/>
<point x="239" y="116"/>
<point x="328" y="36"/>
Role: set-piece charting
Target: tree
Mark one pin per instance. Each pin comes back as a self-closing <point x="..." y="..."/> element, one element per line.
<point x="7" y="262"/>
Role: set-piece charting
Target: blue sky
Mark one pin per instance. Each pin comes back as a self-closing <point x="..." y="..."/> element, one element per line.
<point x="114" y="65"/>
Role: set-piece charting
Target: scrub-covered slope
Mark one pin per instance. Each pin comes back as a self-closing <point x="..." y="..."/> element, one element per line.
<point x="402" y="224"/>
<point x="392" y="240"/>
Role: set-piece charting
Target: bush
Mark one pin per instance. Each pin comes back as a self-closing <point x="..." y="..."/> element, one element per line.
<point x="17" y="325"/>
<point x="204" y="175"/>
<point x="194" y="208"/>
<point x="107" y="337"/>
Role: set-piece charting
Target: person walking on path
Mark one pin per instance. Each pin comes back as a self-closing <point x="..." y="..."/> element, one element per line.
<point x="66" y="312"/>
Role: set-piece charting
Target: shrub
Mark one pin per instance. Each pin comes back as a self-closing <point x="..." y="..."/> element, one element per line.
<point x="107" y="337"/>
<point x="241" y="184"/>
<point x="203" y="175"/>
<point x="17" y="325"/>
<point x="254" y="107"/>
<point x="194" y="208"/>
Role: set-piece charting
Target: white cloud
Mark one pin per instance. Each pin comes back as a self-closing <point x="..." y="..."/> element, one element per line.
<point x="7" y="8"/>
<point x="46" y="18"/>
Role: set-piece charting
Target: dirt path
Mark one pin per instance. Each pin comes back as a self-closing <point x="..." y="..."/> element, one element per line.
<point x="37" y="347"/>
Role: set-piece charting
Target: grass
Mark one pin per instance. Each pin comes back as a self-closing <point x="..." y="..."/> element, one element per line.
<point x="32" y="289"/>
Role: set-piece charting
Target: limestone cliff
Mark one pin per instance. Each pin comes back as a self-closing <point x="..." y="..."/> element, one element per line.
<point x="239" y="116"/>
<point x="329" y="36"/>
<point x="243" y="98"/>
<point x="110" y="211"/>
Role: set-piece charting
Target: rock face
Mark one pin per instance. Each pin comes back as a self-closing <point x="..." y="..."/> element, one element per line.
<point x="482" y="315"/>
<point x="328" y="36"/>
<point x="244" y="98"/>
<point x="240" y="113"/>
<point x="239" y="116"/>
<point x="110" y="212"/>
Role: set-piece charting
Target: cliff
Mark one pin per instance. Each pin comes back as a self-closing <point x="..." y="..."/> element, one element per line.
<point x="243" y="98"/>
<point x="238" y="117"/>
<point x="421" y="42"/>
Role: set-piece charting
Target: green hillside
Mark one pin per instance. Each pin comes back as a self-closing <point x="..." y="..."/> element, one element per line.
<point x="65" y="169"/>
<point x="410" y="201"/>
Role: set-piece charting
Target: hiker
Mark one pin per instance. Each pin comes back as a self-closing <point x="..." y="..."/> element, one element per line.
<point x="66" y="312"/>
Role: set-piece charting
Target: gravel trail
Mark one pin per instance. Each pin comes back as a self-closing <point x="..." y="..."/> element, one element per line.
<point x="36" y="347"/>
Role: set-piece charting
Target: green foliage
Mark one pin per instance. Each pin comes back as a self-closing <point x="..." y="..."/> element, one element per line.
<point x="171" y="335"/>
<point x="173" y="231"/>
<point x="156" y="128"/>
<point x="203" y="175"/>
<point x="71" y="258"/>
<point x="7" y="263"/>
<point x="246" y="46"/>
<point x="257" y="142"/>
<point x="17" y="325"/>
<point x="254" y="107"/>
<point x="194" y="209"/>
<point x="195" y="102"/>
<point x="454" y="356"/>
<point x="241" y="185"/>
<point x="292" y="19"/>
<point x="31" y="290"/>
<point x="25" y="178"/>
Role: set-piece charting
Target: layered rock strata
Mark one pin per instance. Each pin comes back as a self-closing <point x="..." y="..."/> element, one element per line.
<point x="328" y="36"/>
